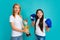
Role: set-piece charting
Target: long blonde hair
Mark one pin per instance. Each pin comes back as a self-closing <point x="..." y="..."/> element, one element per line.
<point x="13" y="9"/>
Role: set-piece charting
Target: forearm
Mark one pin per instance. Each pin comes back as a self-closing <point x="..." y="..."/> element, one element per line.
<point x="17" y="29"/>
<point x="33" y="23"/>
<point x="47" y="29"/>
<point x="23" y="26"/>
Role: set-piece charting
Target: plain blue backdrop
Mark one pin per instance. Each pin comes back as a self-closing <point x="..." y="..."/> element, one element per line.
<point x="51" y="10"/>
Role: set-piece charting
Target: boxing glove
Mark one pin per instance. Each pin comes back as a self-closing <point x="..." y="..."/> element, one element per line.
<point x="49" y="23"/>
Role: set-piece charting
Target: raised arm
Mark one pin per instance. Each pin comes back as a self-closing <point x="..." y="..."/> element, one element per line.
<point x="47" y="29"/>
<point x="33" y="23"/>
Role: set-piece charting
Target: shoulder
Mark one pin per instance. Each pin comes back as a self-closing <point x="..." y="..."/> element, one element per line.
<point x="11" y="16"/>
<point x="44" y="19"/>
<point x="11" y="19"/>
<point x="20" y="16"/>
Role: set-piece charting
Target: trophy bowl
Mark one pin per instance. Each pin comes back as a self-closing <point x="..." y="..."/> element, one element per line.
<point x="27" y="28"/>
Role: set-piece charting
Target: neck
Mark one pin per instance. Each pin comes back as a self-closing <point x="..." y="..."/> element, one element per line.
<point x="16" y="14"/>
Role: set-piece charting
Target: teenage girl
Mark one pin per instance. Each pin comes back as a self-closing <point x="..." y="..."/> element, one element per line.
<point x="40" y="25"/>
<point x="17" y="23"/>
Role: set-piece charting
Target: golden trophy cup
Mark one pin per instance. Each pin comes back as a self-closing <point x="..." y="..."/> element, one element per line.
<point x="26" y="27"/>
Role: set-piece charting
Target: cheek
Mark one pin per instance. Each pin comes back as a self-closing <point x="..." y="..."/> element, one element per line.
<point x="41" y="14"/>
<point x="16" y="10"/>
<point x="38" y="15"/>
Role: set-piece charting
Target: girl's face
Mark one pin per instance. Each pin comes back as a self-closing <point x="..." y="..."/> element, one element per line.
<point x="39" y="14"/>
<point x="16" y="9"/>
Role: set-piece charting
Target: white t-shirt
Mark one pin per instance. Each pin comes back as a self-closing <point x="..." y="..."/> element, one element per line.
<point x="38" y="30"/>
<point x="18" y="23"/>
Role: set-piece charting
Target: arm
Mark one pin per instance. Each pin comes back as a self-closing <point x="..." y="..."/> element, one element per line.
<point x="33" y="23"/>
<point x="47" y="29"/>
<point x="23" y="26"/>
<point x="16" y="29"/>
<point x="48" y="23"/>
<point x="22" y="22"/>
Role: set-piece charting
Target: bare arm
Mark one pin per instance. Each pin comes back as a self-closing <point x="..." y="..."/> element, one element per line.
<point x="47" y="29"/>
<point x="33" y="23"/>
<point x="22" y="22"/>
<point x="16" y="29"/>
<point x="23" y="26"/>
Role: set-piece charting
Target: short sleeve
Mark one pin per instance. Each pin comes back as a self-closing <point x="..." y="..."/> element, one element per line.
<point x="11" y="19"/>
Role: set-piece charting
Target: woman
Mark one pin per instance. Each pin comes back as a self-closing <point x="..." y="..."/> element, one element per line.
<point x="40" y="25"/>
<point x="16" y="23"/>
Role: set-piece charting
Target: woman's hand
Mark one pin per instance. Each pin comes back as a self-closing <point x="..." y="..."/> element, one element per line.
<point x="25" y="30"/>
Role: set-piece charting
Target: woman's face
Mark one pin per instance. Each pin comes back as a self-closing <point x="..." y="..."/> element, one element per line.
<point x="16" y="9"/>
<point x="39" y="14"/>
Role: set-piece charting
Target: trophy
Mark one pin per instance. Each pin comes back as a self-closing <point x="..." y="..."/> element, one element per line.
<point x="26" y="27"/>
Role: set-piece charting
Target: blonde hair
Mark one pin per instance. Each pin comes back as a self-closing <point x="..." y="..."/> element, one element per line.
<point x="13" y="9"/>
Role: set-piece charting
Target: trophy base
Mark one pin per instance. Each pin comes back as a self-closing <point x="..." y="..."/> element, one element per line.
<point x="28" y="35"/>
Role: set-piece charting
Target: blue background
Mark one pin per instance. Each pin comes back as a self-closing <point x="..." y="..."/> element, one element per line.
<point x="51" y="10"/>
